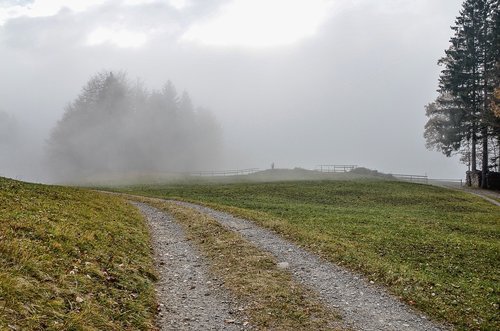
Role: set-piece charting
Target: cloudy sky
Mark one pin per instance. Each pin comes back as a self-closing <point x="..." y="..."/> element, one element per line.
<point x="294" y="82"/>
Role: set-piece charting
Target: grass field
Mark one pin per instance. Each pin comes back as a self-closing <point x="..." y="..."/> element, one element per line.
<point x="437" y="249"/>
<point x="72" y="260"/>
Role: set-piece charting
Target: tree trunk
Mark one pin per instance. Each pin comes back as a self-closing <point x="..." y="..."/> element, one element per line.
<point x="484" y="179"/>
<point x="486" y="72"/>
<point x="473" y="150"/>
<point x="498" y="169"/>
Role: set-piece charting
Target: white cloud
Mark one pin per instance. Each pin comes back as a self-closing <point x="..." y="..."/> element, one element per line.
<point x="138" y="2"/>
<point x="261" y="23"/>
<point x="387" y="6"/>
<point x="177" y="4"/>
<point x="120" y="37"/>
<point x="43" y="8"/>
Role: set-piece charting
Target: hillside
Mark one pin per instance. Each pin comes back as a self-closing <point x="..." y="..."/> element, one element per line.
<point x="72" y="259"/>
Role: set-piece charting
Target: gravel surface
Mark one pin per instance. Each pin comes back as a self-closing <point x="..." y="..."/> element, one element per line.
<point x="364" y="306"/>
<point x="489" y="196"/>
<point x="189" y="297"/>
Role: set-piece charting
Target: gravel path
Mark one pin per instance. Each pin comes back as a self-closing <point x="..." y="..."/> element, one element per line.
<point x="363" y="306"/>
<point x="486" y="195"/>
<point x="189" y="298"/>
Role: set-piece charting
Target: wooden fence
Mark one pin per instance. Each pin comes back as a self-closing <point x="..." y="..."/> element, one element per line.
<point x="447" y="182"/>
<point x="214" y="173"/>
<point x="412" y="178"/>
<point x="427" y="180"/>
<point x="332" y="168"/>
<point x="335" y="167"/>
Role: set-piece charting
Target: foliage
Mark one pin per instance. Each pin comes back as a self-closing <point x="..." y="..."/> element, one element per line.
<point x="116" y="127"/>
<point x="463" y="112"/>
<point x="445" y="130"/>
<point x="496" y="102"/>
<point x="436" y="248"/>
<point x="72" y="260"/>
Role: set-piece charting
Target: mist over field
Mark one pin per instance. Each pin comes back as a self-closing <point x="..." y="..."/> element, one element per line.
<point x="294" y="83"/>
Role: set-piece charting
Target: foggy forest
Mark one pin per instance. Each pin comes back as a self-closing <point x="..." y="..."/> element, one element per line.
<point x="116" y="127"/>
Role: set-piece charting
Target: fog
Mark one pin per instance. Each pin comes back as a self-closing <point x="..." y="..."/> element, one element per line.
<point x="298" y="83"/>
<point x="115" y="129"/>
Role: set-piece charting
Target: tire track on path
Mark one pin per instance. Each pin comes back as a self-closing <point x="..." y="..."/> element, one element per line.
<point x="189" y="297"/>
<point x="363" y="306"/>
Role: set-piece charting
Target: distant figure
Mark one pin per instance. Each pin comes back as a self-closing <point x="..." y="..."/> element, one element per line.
<point x="272" y="166"/>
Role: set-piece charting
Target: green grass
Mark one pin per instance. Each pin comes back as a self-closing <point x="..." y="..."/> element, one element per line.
<point x="437" y="249"/>
<point x="72" y="260"/>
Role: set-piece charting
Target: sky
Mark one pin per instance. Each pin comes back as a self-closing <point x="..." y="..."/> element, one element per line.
<point x="294" y="82"/>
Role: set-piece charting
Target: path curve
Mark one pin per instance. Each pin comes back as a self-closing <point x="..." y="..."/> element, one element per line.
<point x="363" y="306"/>
<point x="189" y="297"/>
<point x="487" y="195"/>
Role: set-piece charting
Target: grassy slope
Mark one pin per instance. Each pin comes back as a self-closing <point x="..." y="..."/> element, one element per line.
<point x="438" y="249"/>
<point x="72" y="260"/>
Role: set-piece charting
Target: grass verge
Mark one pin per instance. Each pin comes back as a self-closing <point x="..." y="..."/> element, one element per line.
<point x="72" y="260"/>
<point x="273" y="300"/>
<point x="437" y="249"/>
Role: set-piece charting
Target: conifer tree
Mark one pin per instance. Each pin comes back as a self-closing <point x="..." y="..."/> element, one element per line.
<point x="462" y="114"/>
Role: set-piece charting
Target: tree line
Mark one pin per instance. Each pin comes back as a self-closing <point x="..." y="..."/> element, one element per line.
<point x="465" y="117"/>
<point x="115" y="126"/>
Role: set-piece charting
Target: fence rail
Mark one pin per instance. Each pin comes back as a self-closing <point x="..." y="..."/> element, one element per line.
<point x="335" y="167"/>
<point x="329" y="168"/>
<point x="214" y="173"/>
<point x="427" y="180"/>
<point x="447" y="181"/>
<point x="411" y="178"/>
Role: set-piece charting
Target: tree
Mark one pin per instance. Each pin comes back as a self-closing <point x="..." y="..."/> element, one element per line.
<point x="115" y="127"/>
<point x="461" y="116"/>
<point x="495" y="100"/>
<point x="82" y="142"/>
<point x="447" y="127"/>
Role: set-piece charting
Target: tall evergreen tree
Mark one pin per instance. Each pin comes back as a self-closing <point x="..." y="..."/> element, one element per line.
<point x="467" y="84"/>
<point x="495" y="99"/>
